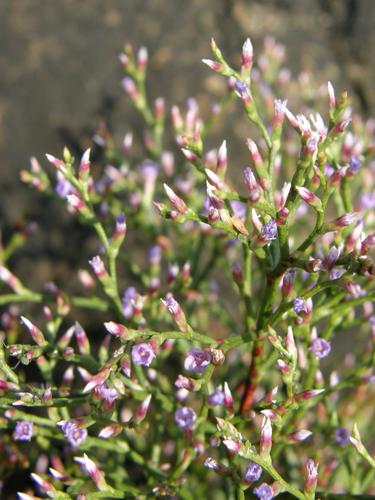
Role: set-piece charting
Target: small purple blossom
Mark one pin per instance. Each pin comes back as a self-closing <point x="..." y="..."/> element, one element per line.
<point x="73" y="433"/>
<point x="299" y="305"/>
<point x="149" y="171"/>
<point x="320" y="347"/>
<point x="269" y="231"/>
<point x="154" y="255"/>
<point x="242" y="90"/>
<point x="197" y="360"/>
<point x="252" y="473"/>
<point x="185" y="417"/>
<point x="354" y="164"/>
<point x="342" y="436"/>
<point x="127" y="302"/>
<point x="217" y="397"/>
<point x="142" y="354"/>
<point x="263" y="492"/>
<point x="23" y="431"/>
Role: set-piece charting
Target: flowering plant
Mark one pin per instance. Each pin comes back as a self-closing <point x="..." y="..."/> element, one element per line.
<point x="218" y="368"/>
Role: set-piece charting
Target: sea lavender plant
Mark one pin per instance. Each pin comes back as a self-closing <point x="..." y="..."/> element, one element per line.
<point x="237" y="354"/>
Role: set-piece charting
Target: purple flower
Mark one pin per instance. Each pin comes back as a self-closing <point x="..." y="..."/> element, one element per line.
<point x="217" y="397"/>
<point x="299" y="305"/>
<point x="269" y="231"/>
<point x="149" y="171"/>
<point x="23" y="431"/>
<point x="242" y="90"/>
<point x="342" y="436"/>
<point x="354" y="164"/>
<point x="154" y="255"/>
<point x="320" y="347"/>
<point x="263" y="492"/>
<point x="252" y="473"/>
<point x="127" y="302"/>
<point x="367" y="200"/>
<point x="239" y="209"/>
<point x="185" y="417"/>
<point x="197" y="360"/>
<point x="73" y="433"/>
<point x="142" y="354"/>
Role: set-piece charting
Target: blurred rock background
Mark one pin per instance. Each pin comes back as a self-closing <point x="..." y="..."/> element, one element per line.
<point x="59" y="74"/>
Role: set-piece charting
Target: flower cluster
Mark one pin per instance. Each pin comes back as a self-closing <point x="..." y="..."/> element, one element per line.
<point x="233" y="339"/>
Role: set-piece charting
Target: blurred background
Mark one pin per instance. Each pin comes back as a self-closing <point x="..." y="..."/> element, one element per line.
<point x="60" y="74"/>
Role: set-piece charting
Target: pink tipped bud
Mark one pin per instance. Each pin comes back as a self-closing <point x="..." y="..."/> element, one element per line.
<point x="56" y="162"/>
<point x="142" y="57"/>
<point x="266" y="437"/>
<point x="176" y="312"/>
<point x="123" y="58"/>
<point x="311" y="478"/>
<point x="309" y="197"/>
<point x="298" y="436"/>
<point x="222" y="159"/>
<point x="290" y="343"/>
<point x="292" y="119"/>
<point x="283" y="367"/>
<point x="312" y="393"/>
<point x="42" y="483"/>
<point x="214" y="65"/>
<point x="345" y="220"/>
<point x="189" y="155"/>
<point x="342" y="125"/>
<point x="232" y="445"/>
<point x="127" y="142"/>
<point x="98" y="266"/>
<point x="331" y="95"/>
<point x="215" y="180"/>
<point x="34" y="331"/>
<point x="97" y="379"/>
<point x="367" y="244"/>
<point x="115" y="329"/>
<point x="247" y="54"/>
<point x="159" y="108"/>
<point x="90" y="468"/>
<point x="257" y="159"/>
<point x="287" y="283"/>
<point x="177" y="118"/>
<point x="75" y="202"/>
<point x="111" y="430"/>
<point x="142" y="410"/>
<point x="228" y="399"/>
<point x="280" y="108"/>
<point x="82" y="340"/>
<point x="176" y="201"/>
<point x="84" y="166"/>
<point x="10" y="279"/>
<point x="130" y="88"/>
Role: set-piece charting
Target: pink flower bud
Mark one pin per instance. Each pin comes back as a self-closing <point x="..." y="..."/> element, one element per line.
<point x="266" y="437"/>
<point x="142" y="57"/>
<point x="298" y="436"/>
<point x="311" y="477"/>
<point x="280" y="108"/>
<point x="84" y="166"/>
<point x="34" y="331"/>
<point x="115" y="329"/>
<point x="98" y="379"/>
<point x="111" y="430"/>
<point x="309" y="197"/>
<point x="55" y="161"/>
<point x="214" y="65"/>
<point x="247" y="54"/>
<point x="331" y="95"/>
<point x="82" y="340"/>
<point x="222" y="159"/>
<point x="98" y="266"/>
<point x="142" y="410"/>
<point x="176" y="201"/>
<point x="130" y="87"/>
<point x="345" y="220"/>
<point x="228" y="399"/>
<point x="90" y="468"/>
